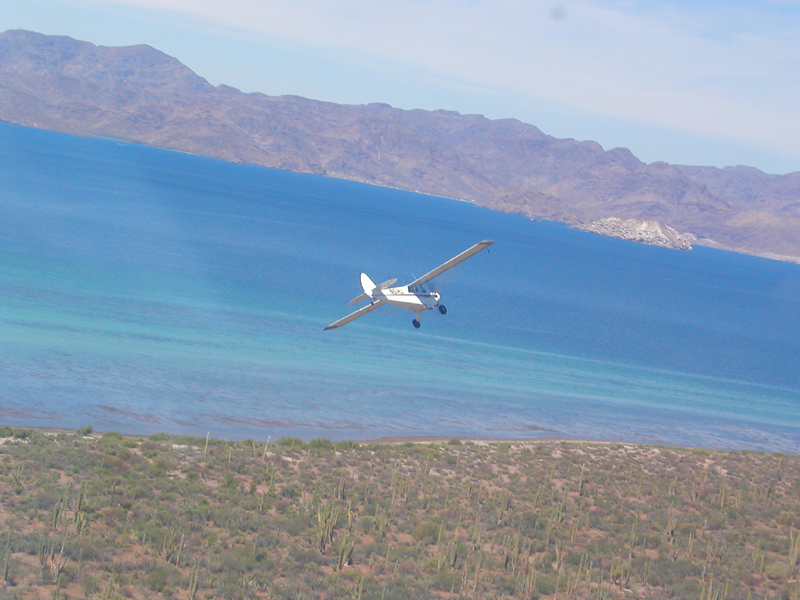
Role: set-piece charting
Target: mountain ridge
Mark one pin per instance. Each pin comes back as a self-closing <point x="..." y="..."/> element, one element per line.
<point x="140" y="94"/>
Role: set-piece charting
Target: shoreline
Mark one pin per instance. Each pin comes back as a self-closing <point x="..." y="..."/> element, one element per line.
<point x="424" y="439"/>
<point x="392" y="440"/>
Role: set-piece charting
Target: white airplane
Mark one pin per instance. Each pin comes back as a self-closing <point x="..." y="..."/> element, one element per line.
<point x="412" y="296"/>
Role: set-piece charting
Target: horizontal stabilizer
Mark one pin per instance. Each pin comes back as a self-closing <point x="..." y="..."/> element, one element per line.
<point x="358" y="299"/>
<point x="386" y="284"/>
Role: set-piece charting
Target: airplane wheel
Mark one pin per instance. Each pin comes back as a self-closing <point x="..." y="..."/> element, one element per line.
<point x="442" y="309"/>
<point x="415" y="323"/>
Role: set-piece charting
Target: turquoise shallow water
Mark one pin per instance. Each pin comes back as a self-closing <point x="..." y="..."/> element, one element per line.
<point x="145" y="290"/>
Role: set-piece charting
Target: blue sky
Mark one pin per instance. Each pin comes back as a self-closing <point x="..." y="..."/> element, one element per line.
<point x="705" y="83"/>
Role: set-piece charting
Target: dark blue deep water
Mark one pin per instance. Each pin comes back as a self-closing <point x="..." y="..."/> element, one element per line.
<point x="144" y="290"/>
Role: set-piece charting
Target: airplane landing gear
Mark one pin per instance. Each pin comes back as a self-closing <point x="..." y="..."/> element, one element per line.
<point x="442" y="309"/>
<point x="415" y="323"/>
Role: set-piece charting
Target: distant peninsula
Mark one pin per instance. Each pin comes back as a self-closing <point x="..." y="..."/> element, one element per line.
<point x="140" y="94"/>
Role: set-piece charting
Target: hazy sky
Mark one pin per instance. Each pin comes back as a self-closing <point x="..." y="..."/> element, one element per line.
<point x="708" y="83"/>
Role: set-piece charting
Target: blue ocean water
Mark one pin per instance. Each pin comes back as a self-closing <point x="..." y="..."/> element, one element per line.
<point x="144" y="290"/>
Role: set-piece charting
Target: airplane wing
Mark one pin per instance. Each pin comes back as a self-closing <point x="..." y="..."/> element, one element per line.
<point x="354" y="315"/>
<point x="451" y="263"/>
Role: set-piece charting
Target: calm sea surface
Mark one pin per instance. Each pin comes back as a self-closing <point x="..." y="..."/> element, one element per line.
<point x="144" y="290"/>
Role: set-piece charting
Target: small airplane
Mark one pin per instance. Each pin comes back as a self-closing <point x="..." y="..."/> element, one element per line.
<point x="413" y="296"/>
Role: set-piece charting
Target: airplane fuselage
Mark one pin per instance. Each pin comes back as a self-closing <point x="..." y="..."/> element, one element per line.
<point x="405" y="297"/>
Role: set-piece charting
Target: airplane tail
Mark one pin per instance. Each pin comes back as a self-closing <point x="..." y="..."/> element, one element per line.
<point x="370" y="288"/>
<point x="367" y="285"/>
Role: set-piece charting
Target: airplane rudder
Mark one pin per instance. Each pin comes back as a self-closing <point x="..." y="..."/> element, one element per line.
<point x="367" y="284"/>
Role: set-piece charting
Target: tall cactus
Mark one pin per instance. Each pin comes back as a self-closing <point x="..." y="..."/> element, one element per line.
<point x="327" y="514"/>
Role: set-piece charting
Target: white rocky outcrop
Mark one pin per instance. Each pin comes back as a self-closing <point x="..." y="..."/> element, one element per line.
<point x="646" y="232"/>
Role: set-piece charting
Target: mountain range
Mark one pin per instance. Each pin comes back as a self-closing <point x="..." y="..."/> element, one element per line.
<point x="140" y="94"/>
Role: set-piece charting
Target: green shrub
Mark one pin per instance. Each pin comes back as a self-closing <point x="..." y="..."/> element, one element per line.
<point x="426" y="532"/>
<point x="229" y="481"/>
<point x="446" y="581"/>
<point x="347" y="445"/>
<point x="320" y="444"/>
<point x="777" y="570"/>
<point x="160" y="465"/>
<point x="161" y="577"/>
<point x="239" y="560"/>
<point x="290" y="442"/>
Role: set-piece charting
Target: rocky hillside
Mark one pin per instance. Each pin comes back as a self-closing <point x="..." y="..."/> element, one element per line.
<point x="140" y="94"/>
